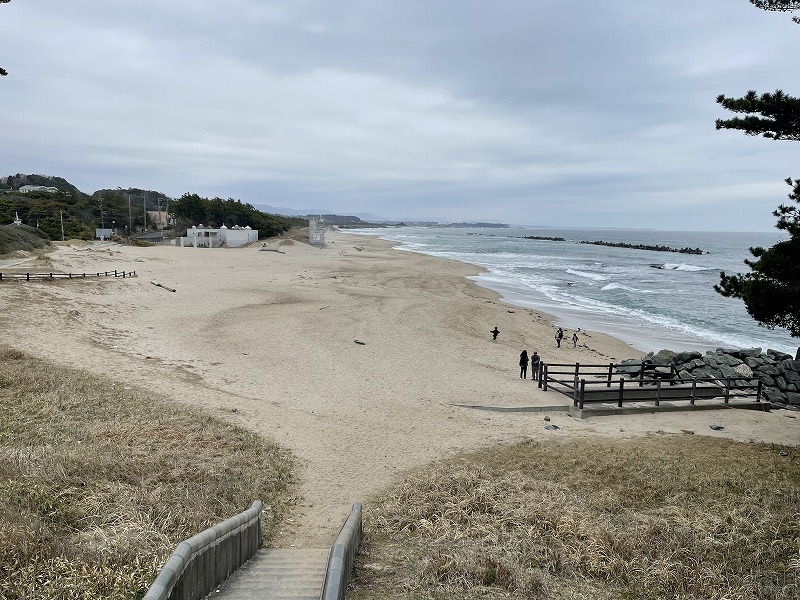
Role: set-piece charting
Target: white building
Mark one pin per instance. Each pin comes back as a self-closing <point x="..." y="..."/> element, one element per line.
<point x="211" y="237"/>
<point x="37" y="188"/>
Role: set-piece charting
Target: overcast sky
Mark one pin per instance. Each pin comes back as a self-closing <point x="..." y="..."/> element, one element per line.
<point x="531" y="112"/>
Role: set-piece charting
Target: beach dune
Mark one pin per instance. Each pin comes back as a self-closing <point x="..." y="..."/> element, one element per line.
<point x="362" y="360"/>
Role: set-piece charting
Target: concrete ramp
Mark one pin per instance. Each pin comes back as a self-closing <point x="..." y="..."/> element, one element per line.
<point x="278" y="574"/>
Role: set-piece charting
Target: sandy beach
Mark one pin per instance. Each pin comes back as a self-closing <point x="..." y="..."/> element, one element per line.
<point x="268" y="340"/>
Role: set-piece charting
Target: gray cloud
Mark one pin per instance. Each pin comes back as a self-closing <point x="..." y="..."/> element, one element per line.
<point x="531" y="112"/>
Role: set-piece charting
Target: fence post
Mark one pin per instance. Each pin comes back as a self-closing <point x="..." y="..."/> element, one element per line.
<point x="672" y="372"/>
<point x="621" y="390"/>
<point x="27" y="276"/>
<point x="575" y="384"/>
<point x="727" y="389"/>
<point x="694" y="387"/>
<point x="758" y="390"/>
<point x="583" y="391"/>
<point x="544" y="378"/>
<point x="641" y="375"/>
<point x="658" y="390"/>
<point x="610" y="373"/>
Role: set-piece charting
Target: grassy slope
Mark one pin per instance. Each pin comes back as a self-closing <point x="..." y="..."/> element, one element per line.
<point x="21" y="237"/>
<point x="100" y="481"/>
<point x="656" y="518"/>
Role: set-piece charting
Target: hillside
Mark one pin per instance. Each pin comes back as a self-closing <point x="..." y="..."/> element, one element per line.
<point x="21" y="237"/>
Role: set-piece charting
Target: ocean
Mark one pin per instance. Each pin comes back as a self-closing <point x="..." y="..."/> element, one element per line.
<point x="649" y="299"/>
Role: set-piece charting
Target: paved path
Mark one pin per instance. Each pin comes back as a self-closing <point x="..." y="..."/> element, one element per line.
<point x="277" y="574"/>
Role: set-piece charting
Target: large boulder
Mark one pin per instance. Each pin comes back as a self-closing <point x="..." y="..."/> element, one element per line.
<point x="777" y="355"/>
<point x="793" y="398"/>
<point x="789" y="365"/>
<point x="768" y="370"/>
<point x="685" y="357"/>
<point x="663" y="357"/>
<point x="774" y="395"/>
<point x="746" y="372"/>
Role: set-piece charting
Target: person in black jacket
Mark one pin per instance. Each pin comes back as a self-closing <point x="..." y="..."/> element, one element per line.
<point x="494" y="333"/>
<point x="523" y="364"/>
<point x="535" y="366"/>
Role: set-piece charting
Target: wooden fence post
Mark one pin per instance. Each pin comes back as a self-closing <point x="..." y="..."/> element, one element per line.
<point x="583" y="391"/>
<point x="544" y="378"/>
<point x="641" y="375"/>
<point x="727" y="389"/>
<point x="621" y="390"/>
<point x="758" y="390"/>
<point x="658" y="390"/>
<point x="610" y="373"/>
<point x="694" y="387"/>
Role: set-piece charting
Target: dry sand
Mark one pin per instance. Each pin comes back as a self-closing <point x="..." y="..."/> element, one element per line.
<point x="267" y="340"/>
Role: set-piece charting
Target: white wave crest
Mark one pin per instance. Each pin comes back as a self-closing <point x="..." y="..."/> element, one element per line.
<point x="683" y="267"/>
<point x="593" y="276"/>
<point x="620" y="286"/>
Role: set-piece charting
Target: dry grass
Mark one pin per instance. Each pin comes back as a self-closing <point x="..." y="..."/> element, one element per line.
<point x="653" y="518"/>
<point x="100" y="481"/>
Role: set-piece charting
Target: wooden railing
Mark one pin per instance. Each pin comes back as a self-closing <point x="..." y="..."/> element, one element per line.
<point x="593" y="383"/>
<point x="48" y="276"/>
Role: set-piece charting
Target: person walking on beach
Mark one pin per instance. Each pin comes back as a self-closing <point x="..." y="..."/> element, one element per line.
<point x="575" y="340"/>
<point x="523" y="365"/>
<point x="559" y="337"/>
<point x="494" y="333"/>
<point x="535" y="366"/>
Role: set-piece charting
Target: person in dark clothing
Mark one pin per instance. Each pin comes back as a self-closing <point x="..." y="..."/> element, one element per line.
<point x="494" y="333"/>
<point x="523" y="365"/>
<point x="559" y="337"/>
<point x="535" y="366"/>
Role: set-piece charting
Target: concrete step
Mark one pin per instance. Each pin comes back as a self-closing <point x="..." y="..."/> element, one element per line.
<point x="277" y="574"/>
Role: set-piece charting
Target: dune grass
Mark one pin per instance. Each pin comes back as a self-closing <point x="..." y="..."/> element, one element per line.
<point x="661" y="517"/>
<point x="99" y="481"/>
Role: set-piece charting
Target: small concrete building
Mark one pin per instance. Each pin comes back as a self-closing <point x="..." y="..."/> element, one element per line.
<point x="316" y="231"/>
<point x="213" y="237"/>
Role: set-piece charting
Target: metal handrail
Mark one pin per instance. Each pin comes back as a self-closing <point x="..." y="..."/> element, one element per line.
<point x="342" y="556"/>
<point x="198" y="565"/>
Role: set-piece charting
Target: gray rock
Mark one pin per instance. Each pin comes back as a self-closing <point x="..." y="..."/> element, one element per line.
<point x="684" y="375"/>
<point x="685" y="357"/>
<point x="781" y="383"/>
<point x="663" y="357"/>
<point x="697" y="362"/>
<point x="777" y="355"/>
<point x="753" y="362"/>
<point x="774" y="395"/>
<point x="792" y="387"/>
<point x="768" y="370"/>
<point x="745" y="371"/>
<point x="731" y="361"/>
<point x="791" y="376"/>
<point x="712" y="360"/>
<point x="793" y="398"/>
<point x="749" y="352"/>
<point x="716" y="427"/>
<point x="790" y="365"/>
<point x="767" y="381"/>
<point x="546" y="418"/>
<point x="552" y="427"/>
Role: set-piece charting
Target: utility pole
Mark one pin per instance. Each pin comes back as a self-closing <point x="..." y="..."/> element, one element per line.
<point x="61" y="212"/>
<point x="144" y="208"/>
<point x="130" y="217"/>
<point x="102" y="218"/>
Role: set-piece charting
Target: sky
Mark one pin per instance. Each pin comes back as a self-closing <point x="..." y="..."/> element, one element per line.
<point x="526" y="112"/>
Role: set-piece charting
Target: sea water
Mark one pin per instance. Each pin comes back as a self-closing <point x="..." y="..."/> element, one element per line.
<point x="649" y="299"/>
